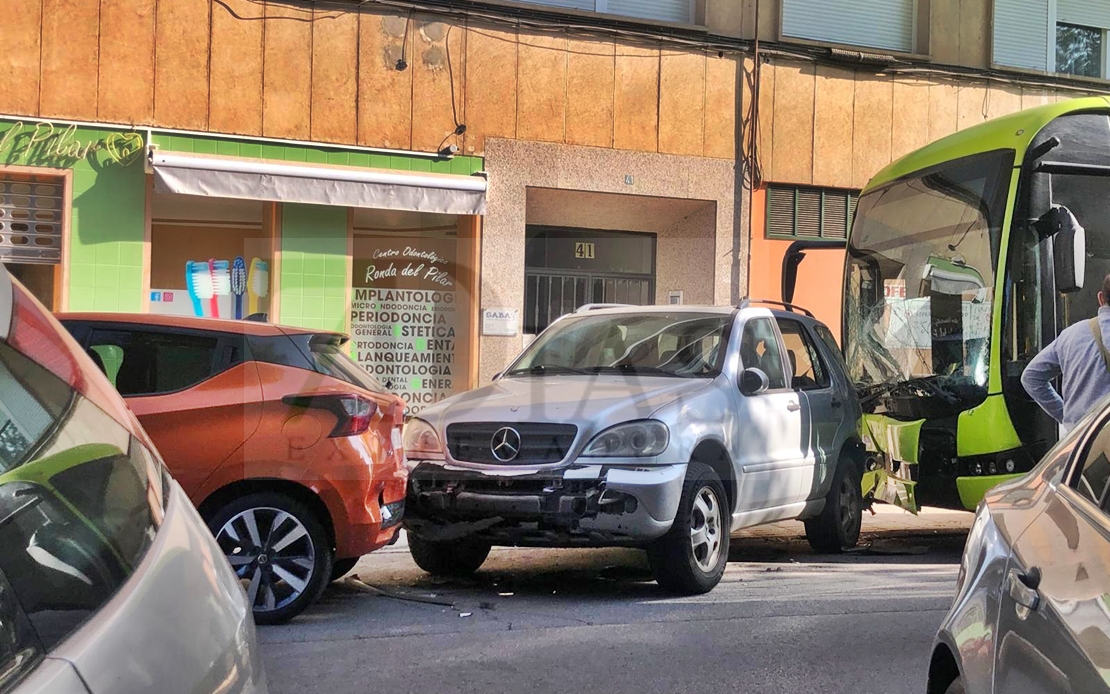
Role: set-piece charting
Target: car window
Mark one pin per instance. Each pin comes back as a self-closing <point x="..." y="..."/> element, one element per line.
<point x="826" y="336"/>
<point x="808" y="370"/>
<point x="20" y="650"/>
<point x="80" y="499"/>
<point x="144" y="362"/>
<point x="759" y="349"/>
<point x="1092" y="472"/>
<point x="328" y="356"/>
<point x="680" y="344"/>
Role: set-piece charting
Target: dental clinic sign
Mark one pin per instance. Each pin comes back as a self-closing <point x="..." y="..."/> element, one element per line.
<point x="48" y="144"/>
<point x="406" y="317"/>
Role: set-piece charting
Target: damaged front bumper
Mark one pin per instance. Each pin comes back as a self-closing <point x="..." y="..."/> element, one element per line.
<point x="579" y="506"/>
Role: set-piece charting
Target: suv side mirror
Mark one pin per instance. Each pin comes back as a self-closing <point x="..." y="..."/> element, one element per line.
<point x="754" y="382"/>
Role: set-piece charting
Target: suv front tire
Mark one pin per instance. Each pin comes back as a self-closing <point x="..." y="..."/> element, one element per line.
<point x="691" y="558"/>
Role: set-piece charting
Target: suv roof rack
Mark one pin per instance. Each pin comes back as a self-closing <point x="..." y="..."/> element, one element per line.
<point x="745" y="303"/>
<point x="594" y="307"/>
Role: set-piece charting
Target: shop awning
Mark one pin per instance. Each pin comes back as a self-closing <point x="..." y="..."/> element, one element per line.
<point x="341" y="186"/>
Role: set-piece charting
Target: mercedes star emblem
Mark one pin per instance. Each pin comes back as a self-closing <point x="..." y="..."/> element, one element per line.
<point x="505" y="444"/>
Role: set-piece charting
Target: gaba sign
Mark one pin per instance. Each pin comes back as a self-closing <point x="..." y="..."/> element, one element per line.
<point x="45" y="142"/>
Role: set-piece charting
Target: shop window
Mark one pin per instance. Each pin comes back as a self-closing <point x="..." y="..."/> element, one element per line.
<point x="412" y="301"/>
<point x="209" y="257"/>
<point x="809" y="213"/>
<point x="32" y="220"/>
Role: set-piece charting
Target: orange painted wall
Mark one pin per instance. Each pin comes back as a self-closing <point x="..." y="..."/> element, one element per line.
<point x="820" y="276"/>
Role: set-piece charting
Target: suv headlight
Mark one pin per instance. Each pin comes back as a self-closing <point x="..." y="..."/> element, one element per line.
<point x="644" y="439"/>
<point x="420" y="441"/>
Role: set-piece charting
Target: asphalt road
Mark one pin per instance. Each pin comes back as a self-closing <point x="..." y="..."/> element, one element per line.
<point x="540" y="621"/>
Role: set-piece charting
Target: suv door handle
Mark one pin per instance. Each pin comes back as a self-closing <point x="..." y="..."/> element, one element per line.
<point x="1023" y="588"/>
<point x="793" y="406"/>
<point x="836" y="403"/>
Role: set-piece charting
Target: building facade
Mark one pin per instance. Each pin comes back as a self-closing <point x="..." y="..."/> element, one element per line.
<point x="442" y="179"/>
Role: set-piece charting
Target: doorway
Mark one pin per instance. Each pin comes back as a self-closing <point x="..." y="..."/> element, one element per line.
<point x="566" y="269"/>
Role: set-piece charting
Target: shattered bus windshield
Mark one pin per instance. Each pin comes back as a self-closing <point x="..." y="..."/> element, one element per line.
<point x="920" y="286"/>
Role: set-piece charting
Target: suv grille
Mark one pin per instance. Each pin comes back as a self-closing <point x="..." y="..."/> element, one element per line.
<point x="538" y="443"/>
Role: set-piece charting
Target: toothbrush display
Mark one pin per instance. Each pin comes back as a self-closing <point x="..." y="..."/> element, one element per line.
<point x="198" y="278"/>
<point x="238" y="285"/>
<point x="221" y="283"/>
<point x="258" y="284"/>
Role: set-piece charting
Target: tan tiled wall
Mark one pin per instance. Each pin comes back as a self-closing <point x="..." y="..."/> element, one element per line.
<point x="329" y="74"/>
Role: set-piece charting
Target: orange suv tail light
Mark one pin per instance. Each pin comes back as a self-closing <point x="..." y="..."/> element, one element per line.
<point x="354" y="412"/>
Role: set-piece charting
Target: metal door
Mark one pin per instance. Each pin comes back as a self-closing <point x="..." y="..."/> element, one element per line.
<point x="771" y="441"/>
<point x="548" y="295"/>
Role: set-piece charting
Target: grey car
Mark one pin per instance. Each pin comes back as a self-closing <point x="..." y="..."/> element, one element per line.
<point x="110" y="583"/>
<point x="663" y="427"/>
<point x="1032" y="607"/>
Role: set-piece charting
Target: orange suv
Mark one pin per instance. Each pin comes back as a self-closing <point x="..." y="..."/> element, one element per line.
<point x="290" y="450"/>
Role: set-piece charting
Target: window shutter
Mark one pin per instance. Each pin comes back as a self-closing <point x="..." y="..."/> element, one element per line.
<point x="884" y="24"/>
<point x="780" y="211"/>
<point x="835" y="224"/>
<point x="1021" y="33"/>
<point x="808" y="221"/>
<point x="809" y="213"/>
<point x="681" y="11"/>
<point x="1089" y="13"/>
<point x="31" y="218"/>
<point x="569" y="4"/>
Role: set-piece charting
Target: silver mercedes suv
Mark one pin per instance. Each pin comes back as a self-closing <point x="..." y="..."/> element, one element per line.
<point x="659" y="427"/>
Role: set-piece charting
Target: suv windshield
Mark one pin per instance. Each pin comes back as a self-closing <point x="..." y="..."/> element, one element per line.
<point x="920" y="285"/>
<point x="673" y="344"/>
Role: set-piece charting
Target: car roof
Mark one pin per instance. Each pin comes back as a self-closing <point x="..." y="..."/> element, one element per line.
<point x="238" y="327"/>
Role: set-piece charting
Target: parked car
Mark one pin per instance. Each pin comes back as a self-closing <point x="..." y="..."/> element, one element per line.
<point x="1032" y="607"/>
<point x="661" y="427"/>
<point x="109" y="581"/>
<point x="290" y="450"/>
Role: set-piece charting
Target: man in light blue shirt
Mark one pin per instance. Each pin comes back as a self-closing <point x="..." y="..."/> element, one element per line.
<point x="1076" y="357"/>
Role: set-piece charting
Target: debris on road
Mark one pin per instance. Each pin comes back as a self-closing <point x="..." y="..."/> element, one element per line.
<point x="356" y="583"/>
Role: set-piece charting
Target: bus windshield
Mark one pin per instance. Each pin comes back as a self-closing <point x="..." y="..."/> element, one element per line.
<point x="920" y="282"/>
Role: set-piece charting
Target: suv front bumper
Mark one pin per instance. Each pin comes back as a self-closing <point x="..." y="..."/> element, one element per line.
<point x="590" y="505"/>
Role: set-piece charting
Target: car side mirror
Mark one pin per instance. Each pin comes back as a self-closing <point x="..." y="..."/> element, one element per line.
<point x="754" y="382"/>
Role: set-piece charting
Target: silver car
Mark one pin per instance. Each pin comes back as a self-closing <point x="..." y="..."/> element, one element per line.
<point x="662" y="427"/>
<point x="110" y="583"/>
<point x="1032" y="607"/>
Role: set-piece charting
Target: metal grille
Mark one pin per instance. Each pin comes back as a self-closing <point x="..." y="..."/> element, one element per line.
<point x="31" y="214"/>
<point x="539" y="443"/>
<point x="809" y="213"/>
<point x="548" y="296"/>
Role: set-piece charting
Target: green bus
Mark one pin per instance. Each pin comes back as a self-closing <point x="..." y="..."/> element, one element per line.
<point x="965" y="259"/>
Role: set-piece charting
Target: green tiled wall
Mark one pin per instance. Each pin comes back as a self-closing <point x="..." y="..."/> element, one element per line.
<point x="314" y="266"/>
<point x="108" y="218"/>
<point x="463" y="166"/>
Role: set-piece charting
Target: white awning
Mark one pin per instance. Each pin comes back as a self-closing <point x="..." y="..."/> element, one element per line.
<point x="341" y="186"/>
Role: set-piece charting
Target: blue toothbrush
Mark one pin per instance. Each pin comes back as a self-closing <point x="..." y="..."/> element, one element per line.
<point x="239" y="285"/>
<point x="191" y="283"/>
